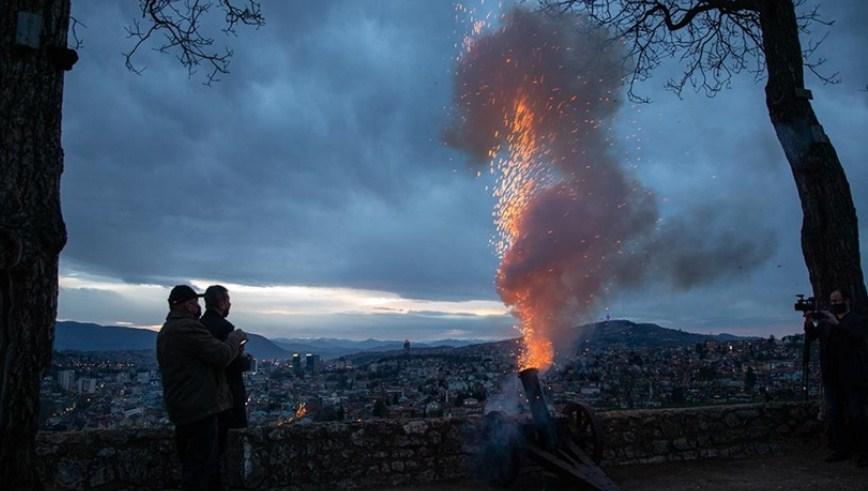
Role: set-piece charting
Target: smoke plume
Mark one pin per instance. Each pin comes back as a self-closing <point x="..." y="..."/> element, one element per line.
<point x="536" y="98"/>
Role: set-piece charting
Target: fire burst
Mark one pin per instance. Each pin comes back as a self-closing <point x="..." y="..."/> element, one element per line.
<point x="519" y="177"/>
<point x="532" y="98"/>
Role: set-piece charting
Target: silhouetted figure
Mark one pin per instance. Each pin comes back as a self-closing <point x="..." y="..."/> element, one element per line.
<point x="192" y="366"/>
<point x="217" y="306"/>
<point x="843" y="339"/>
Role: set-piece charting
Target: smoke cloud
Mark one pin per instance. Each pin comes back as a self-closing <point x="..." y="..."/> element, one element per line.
<point x="541" y="92"/>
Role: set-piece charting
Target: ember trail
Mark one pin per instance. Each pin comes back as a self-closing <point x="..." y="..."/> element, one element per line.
<point x="535" y="99"/>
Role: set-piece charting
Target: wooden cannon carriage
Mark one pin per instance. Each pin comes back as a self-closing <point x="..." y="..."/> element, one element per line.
<point x="569" y="447"/>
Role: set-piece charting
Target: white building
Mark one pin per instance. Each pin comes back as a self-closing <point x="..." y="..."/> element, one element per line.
<point x="66" y="378"/>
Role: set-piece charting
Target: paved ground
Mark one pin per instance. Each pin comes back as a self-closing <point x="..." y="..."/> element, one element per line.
<point x="797" y="468"/>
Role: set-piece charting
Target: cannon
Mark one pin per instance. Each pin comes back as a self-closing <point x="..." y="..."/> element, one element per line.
<point x="569" y="447"/>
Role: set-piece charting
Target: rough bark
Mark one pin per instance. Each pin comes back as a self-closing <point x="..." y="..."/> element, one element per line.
<point x="830" y="233"/>
<point x="32" y="232"/>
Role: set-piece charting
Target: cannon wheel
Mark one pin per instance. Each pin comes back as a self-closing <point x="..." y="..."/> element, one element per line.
<point x="584" y="429"/>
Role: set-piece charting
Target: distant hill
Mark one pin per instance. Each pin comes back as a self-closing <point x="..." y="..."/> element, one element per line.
<point x="633" y="335"/>
<point x="598" y="335"/>
<point x="329" y="348"/>
<point x="79" y="336"/>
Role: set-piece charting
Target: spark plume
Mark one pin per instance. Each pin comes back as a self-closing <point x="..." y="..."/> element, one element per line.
<point x="535" y="100"/>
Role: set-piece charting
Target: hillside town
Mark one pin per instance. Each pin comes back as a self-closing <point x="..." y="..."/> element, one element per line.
<point x="123" y="390"/>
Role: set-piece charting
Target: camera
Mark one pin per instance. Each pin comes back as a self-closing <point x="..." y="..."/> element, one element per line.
<point x="805" y="305"/>
<point x="808" y="307"/>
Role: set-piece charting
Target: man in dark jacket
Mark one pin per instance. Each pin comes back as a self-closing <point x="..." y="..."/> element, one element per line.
<point x="843" y="339"/>
<point x="217" y="306"/>
<point x="192" y="366"/>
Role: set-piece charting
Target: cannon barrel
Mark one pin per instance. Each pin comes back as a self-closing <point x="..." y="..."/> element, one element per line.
<point x="542" y="419"/>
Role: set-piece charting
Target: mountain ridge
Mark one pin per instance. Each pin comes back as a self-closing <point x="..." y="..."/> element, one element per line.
<point x="87" y="336"/>
<point x="84" y="336"/>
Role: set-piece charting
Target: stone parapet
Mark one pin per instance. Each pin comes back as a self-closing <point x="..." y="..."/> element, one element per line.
<point x="383" y="453"/>
<point x="662" y="435"/>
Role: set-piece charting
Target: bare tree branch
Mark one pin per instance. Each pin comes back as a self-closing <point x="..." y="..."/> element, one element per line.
<point x="713" y="39"/>
<point x="74" y="23"/>
<point x="180" y="23"/>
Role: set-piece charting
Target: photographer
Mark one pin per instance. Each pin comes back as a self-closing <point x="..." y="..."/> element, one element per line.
<point x="843" y="339"/>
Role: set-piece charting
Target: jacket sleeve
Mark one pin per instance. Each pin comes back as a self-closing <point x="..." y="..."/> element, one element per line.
<point x="203" y="345"/>
<point x="813" y="332"/>
<point x="241" y="363"/>
<point x="855" y="327"/>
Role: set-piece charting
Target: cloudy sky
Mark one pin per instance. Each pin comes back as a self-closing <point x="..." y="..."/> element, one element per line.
<point x="312" y="180"/>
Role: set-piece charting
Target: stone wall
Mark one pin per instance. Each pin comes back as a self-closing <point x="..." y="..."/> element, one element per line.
<point x="654" y="436"/>
<point x="301" y="456"/>
<point x="384" y="453"/>
<point x="354" y="455"/>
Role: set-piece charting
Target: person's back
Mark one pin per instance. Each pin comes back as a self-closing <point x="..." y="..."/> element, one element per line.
<point x="220" y="328"/>
<point x="192" y="370"/>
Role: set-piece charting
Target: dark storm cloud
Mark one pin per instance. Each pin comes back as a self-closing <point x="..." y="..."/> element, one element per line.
<point x="317" y="161"/>
<point x="302" y="166"/>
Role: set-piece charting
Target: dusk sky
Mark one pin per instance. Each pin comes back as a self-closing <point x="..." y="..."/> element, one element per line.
<point x="314" y="183"/>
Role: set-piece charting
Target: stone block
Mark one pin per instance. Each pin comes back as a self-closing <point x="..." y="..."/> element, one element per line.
<point x="398" y="479"/>
<point x="732" y="421"/>
<point x="106" y="452"/>
<point x="709" y="453"/>
<point x="670" y="429"/>
<point x="70" y="474"/>
<point x="415" y="428"/>
<point x="657" y="459"/>
<point x="682" y="444"/>
<point x="358" y="438"/>
<point x="660" y="446"/>
<point x="426" y="476"/>
<point x="101" y="476"/>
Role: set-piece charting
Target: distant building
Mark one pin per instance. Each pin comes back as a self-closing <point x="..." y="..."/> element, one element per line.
<point x="406" y="346"/>
<point x="143" y="377"/>
<point x="66" y="378"/>
<point x="86" y="385"/>
<point x="312" y="363"/>
<point x="296" y="363"/>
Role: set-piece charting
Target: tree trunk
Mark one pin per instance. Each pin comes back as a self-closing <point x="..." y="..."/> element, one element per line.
<point x="32" y="232"/>
<point x="830" y="234"/>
